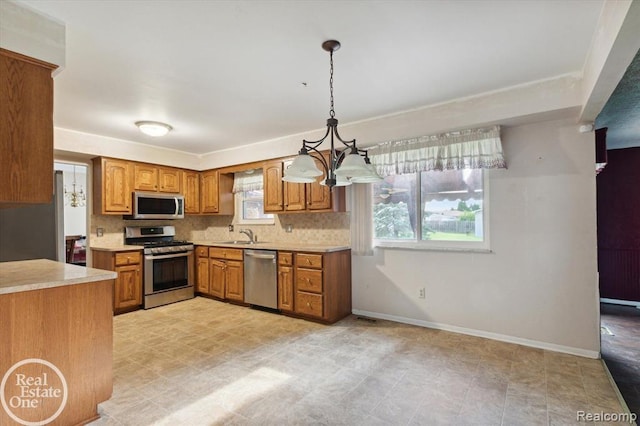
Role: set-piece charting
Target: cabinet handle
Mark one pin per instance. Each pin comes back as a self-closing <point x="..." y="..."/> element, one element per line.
<point x="309" y="304"/>
<point x="308" y="280"/>
<point x="309" y="261"/>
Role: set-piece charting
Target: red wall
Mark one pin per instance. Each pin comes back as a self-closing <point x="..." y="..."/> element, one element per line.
<point x="619" y="225"/>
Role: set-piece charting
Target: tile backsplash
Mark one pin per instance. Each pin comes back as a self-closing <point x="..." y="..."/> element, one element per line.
<point x="307" y="228"/>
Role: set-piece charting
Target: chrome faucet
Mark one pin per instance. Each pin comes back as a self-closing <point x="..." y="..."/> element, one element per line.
<point x="249" y="233"/>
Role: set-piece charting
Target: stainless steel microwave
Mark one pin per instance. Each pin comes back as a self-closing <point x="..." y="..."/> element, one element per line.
<point x="153" y="205"/>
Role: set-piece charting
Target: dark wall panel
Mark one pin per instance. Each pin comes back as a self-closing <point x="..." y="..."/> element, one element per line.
<point x="619" y="225"/>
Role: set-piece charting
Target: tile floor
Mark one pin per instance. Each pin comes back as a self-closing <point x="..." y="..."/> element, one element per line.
<point x="203" y="362"/>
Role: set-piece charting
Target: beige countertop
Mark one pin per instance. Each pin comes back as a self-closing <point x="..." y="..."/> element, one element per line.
<point x="315" y="248"/>
<point x="119" y="247"/>
<point x="38" y="274"/>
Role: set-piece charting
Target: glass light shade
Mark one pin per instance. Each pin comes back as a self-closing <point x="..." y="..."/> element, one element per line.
<point x="298" y="179"/>
<point x="372" y="177"/>
<point x="353" y="165"/>
<point x="340" y="181"/>
<point x="303" y="166"/>
<point x="153" y="128"/>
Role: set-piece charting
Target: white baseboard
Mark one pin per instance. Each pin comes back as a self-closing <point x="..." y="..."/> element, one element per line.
<point x="620" y="302"/>
<point x="480" y="333"/>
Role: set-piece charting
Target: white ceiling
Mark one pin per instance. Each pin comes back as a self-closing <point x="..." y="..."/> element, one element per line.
<point x="230" y="73"/>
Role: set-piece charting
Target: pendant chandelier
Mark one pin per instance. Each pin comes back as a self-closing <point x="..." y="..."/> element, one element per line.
<point x="75" y="198"/>
<point x="345" y="165"/>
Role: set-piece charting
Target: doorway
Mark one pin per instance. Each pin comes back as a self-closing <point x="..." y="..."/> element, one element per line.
<point x="75" y="210"/>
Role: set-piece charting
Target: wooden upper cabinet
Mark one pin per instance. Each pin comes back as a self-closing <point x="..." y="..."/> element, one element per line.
<point x="319" y="196"/>
<point x="272" y="179"/>
<point x="146" y="177"/>
<point x="191" y="191"/>
<point x="112" y="186"/>
<point x="26" y="129"/>
<point x="216" y="196"/>
<point x="149" y="177"/>
<point x="294" y="194"/>
<point x="169" y="180"/>
<point x="209" y="191"/>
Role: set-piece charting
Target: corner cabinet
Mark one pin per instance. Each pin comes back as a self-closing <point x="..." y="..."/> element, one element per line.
<point x="26" y="132"/>
<point x="127" y="290"/>
<point x="112" y="186"/>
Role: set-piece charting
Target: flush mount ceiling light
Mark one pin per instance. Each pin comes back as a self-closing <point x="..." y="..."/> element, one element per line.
<point x="153" y="128"/>
<point x="345" y="165"/>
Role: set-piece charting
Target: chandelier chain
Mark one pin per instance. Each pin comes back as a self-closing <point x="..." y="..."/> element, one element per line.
<point x="332" y="113"/>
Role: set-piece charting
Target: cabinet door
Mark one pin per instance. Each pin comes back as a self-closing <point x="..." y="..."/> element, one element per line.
<point x="294" y="194"/>
<point x="145" y="177"/>
<point x="273" y="196"/>
<point x="318" y="196"/>
<point x="235" y="281"/>
<point x="285" y="288"/>
<point x="202" y="277"/>
<point x="169" y="180"/>
<point x="209" y="192"/>
<point x="217" y="278"/>
<point x="26" y="129"/>
<point x="191" y="191"/>
<point x="117" y="186"/>
<point x="128" y="287"/>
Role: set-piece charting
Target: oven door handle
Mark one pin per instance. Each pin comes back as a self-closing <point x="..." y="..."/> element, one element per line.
<point x="165" y="256"/>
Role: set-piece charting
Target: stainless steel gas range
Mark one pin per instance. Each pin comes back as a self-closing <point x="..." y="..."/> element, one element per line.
<point x="168" y="264"/>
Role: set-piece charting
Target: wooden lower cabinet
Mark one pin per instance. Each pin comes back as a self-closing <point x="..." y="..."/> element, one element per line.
<point x="314" y="286"/>
<point x="285" y="281"/>
<point x="220" y="272"/>
<point x="322" y="285"/>
<point x="202" y="272"/>
<point x="127" y="289"/>
<point x="234" y="276"/>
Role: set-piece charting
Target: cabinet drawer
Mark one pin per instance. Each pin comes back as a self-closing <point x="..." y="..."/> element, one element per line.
<point x="309" y="304"/>
<point x="128" y="258"/>
<point x="309" y="280"/>
<point x="285" y="258"/>
<point x="226" y="253"/>
<point x="202" y="251"/>
<point x="306" y="260"/>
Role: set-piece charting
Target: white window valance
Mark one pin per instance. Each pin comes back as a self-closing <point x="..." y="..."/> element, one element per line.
<point x="465" y="149"/>
<point x="247" y="182"/>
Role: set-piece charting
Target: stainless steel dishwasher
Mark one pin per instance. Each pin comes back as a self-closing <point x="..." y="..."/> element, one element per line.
<point x="261" y="278"/>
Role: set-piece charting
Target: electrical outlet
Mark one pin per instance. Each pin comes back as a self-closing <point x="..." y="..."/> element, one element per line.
<point x="230" y="228"/>
<point x="288" y="228"/>
<point x="99" y="232"/>
<point x="421" y="293"/>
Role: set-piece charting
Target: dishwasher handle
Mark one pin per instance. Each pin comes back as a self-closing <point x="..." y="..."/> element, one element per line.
<point x="260" y="256"/>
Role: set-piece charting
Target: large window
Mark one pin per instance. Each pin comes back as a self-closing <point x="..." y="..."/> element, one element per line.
<point x="446" y="209"/>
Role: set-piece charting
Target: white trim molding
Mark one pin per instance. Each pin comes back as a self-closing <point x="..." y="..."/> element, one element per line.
<point x="480" y="333"/>
<point x="620" y="302"/>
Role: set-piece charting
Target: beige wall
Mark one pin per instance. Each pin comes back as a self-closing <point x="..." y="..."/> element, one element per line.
<point x="538" y="286"/>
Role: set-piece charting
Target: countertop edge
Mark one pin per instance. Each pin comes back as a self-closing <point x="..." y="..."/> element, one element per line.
<point x="89" y="275"/>
<point x="124" y="247"/>
<point x="276" y="246"/>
